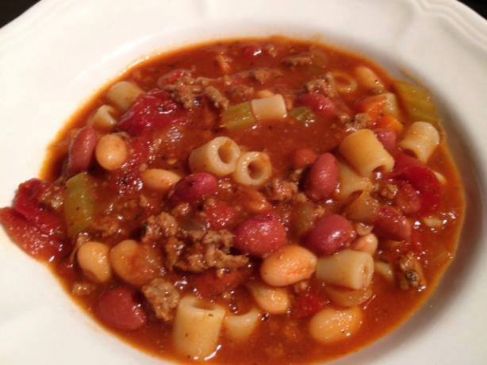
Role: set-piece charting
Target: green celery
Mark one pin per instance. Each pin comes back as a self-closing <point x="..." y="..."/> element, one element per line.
<point x="238" y="116"/>
<point x="79" y="203"/>
<point x="418" y="102"/>
<point x="303" y="114"/>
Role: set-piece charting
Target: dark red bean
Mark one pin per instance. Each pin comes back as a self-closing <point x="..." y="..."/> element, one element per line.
<point x="119" y="309"/>
<point x="260" y="235"/>
<point x="194" y="187"/>
<point x="81" y="150"/>
<point x="330" y="234"/>
<point x="303" y="157"/>
<point x="392" y="224"/>
<point x="323" y="177"/>
<point x="319" y="104"/>
<point x="387" y="137"/>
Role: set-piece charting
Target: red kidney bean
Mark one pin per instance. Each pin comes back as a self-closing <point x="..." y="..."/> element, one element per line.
<point x="303" y="157"/>
<point x="194" y="187"/>
<point x="330" y="234"/>
<point x="323" y="177"/>
<point x="118" y="308"/>
<point x="319" y="104"/>
<point x="81" y="150"/>
<point x="260" y="235"/>
<point x="392" y="224"/>
<point x="387" y="137"/>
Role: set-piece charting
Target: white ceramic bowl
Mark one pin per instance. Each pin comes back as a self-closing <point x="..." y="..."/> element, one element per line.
<point x="61" y="51"/>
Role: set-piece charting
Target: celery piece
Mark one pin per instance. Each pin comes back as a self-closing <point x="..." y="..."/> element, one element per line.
<point x="79" y="203"/>
<point x="418" y="102"/>
<point x="238" y="116"/>
<point x="303" y="114"/>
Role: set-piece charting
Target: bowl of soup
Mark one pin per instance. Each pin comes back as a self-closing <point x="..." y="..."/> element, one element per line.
<point x="238" y="193"/>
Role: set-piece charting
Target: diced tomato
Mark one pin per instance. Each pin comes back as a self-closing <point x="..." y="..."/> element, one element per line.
<point x="319" y="104"/>
<point x="29" y="238"/>
<point x="392" y="224"/>
<point x="422" y="179"/>
<point x="219" y="214"/>
<point x="208" y="284"/>
<point x="308" y="304"/>
<point x="408" y="199"/>
<point x="391" y="123"/>
<point x="118" y="308"/>
<point x="374" y="106"/>
<point x="27" y="203"/>
<point x="154" y="109"/>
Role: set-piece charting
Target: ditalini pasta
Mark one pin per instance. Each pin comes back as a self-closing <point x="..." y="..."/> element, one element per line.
<point x="421" y="139"/>
<point x="218" y="156"/>
<point x="253" y="169"/>
<point x="351" y="182"/>
<point x="348" y="268"/>
<point x="365" y="153"/>
<point x="240" y="327"/>
<point x="249" y="201"/>
<point x="197" y="327"/>
<point x="123" y="94"/>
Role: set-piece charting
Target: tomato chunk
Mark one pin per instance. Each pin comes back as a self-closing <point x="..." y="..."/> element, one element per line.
<point x="392" y="224"/>
<point x="27" y="203"/>
<point x="29" y="238"/>
<point x="219" y="214"/>
<point x="422" y="179"/>
<point x="260" y="235"/>
<point x="319" y="104"/>
<point x="118" y="308"/>
<point x="154" y="109"/>
<point x="308" y="304"/>
<point x="208" y="284"/>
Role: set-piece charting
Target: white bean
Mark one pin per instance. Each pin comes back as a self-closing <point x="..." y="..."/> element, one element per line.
<point x="93" y="260"/>
<point x="159" y="179"/>
<point x="367" y="243"/>
<point x="111" y="152"/>
<point x="271" y="300"/>
<point x="333" y="325"/>
<point x="288" y="265"/>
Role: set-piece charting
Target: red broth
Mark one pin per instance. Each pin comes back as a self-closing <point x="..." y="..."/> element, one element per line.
<point x="413" y="210"/>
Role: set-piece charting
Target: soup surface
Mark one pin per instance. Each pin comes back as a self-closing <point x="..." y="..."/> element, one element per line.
<point x="261" y="201"/>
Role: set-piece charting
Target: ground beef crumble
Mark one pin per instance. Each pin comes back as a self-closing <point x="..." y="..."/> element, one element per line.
<point x="163" y="297"/>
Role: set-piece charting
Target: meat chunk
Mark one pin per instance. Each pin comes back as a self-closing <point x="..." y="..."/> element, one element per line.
<point x="218" y="100"/>
<point x="184" y="89"/>
<point x="263" y="75"/>
<point x="240" y="92"/>
<point x="211" y="251"/>
<point x="324" y="85"/>
<point x="279" y="190"/>
<point x="224" y="62"/>
<point x="411" y="275"/>
<point x="163" y="297"/>
<point x="159" y="227"/>
<point x="303" y="59"/>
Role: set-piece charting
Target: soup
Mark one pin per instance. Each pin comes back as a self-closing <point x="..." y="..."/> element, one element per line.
<point x="248" y="201"/>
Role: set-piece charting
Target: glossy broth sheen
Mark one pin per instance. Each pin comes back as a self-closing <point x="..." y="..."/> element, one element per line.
<point x="279" y="339"/>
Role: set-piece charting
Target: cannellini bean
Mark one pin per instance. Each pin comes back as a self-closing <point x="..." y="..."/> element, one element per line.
<point x="159" y="179"/>
<point x="367" y="243"/>
<point x="93" y="259"/>
<point x="271" y="300"/>
<point x="333" y="325"/>
<point x="111" y="152"/>
<point x="288" y="265"/>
